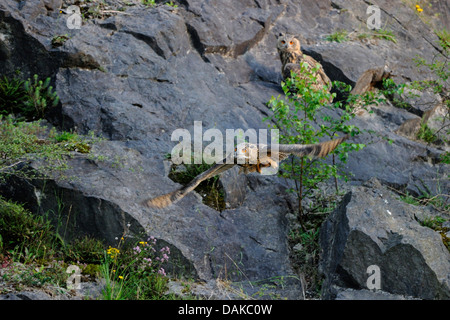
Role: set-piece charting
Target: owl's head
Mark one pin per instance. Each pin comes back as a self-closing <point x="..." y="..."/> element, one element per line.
<point x="287" y="42"/>
<point x="246" y="153"/>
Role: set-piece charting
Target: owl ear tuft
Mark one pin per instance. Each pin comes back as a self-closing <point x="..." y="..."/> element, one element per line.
<point x="281" y="34"/>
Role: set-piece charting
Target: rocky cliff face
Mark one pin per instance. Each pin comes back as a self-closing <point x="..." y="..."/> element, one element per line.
<point x="133" y="74"/>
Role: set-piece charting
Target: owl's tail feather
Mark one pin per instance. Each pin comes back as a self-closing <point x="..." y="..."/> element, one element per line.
<point x="162" y="201"/>
<point x="327" y="147"/>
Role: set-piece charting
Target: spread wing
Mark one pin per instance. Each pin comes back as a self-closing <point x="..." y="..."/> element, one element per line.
<point x="174" y="196"/>
<point x="317" y="150"/>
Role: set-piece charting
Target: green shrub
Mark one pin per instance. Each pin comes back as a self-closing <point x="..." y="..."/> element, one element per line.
<point x="86" y="249"/>
<point x="149" y="3"/>
<point x="171" y="4"/>
<point x="302" y="118"/>
<point x="426" y="134"/>
<point x="444" y="39"/>
<point x="439" y="85"/>
<point x="338" y="36"/>
<point x="27" y="236"/>
<point x="65" y="136"/>
<point x="20" y="144"/>
<point x="72" y="142"/>
<point x="24" y="142"/>
<point x="40" y="95"/>
<point x="26" y="99"/>
<point x="385" y="34"/>
<point x="12" y="96"/>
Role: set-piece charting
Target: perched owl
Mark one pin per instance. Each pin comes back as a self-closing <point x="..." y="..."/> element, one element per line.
<point x="251" y="158"/>
<point x="291" y="57"/>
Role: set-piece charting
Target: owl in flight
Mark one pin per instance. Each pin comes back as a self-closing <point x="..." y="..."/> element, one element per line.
<point x="292" y="57"/>
<point x="250" y="158"/>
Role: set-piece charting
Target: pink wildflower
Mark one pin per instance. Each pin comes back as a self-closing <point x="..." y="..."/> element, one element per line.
<point x="137" y="249"/>
<point x="162" y="272"/>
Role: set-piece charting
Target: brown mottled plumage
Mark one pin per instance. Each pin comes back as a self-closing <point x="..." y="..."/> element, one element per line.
<point x="251" y="158"/>
<point x="291" y="57"/>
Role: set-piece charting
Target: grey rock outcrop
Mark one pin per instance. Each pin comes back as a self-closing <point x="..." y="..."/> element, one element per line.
<point x="373" y="227"/>
<point x="364" y="294"/>
<point x="87" y="291"/>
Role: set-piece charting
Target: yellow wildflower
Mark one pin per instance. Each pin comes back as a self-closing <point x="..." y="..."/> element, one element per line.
<point x="120" y="277"/>
<point x="418" y="8"/>
<point x="112" y="251"/>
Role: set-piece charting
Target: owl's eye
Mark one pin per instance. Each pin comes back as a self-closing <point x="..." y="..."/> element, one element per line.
<point x="244" y="150"/>
<point x="283" y="42"/>
<point x="292" y="42"/>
